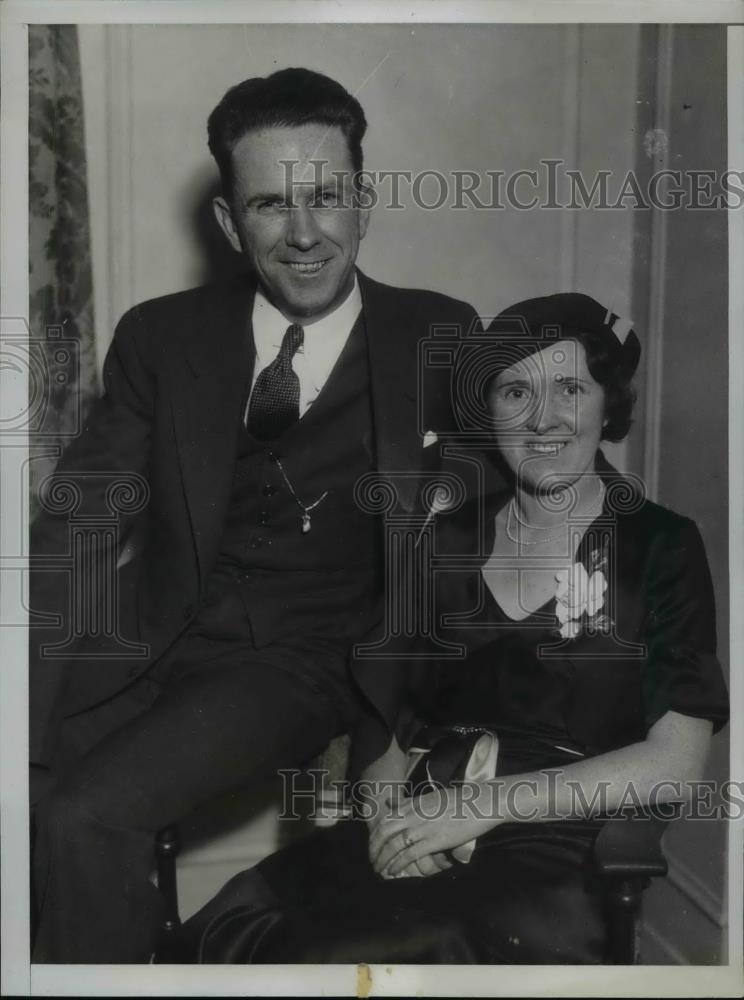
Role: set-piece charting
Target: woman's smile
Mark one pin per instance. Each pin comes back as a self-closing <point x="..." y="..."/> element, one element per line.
<point x="547" y="408"/>
<point x="545" y="447"/>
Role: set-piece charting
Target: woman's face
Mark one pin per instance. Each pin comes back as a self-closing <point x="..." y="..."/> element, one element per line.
<point x="548" y="415"/>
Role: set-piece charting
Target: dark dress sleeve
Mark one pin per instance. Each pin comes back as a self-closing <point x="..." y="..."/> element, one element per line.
<point x="682" y="671"/>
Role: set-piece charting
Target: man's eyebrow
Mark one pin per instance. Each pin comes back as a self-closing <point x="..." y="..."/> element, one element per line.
<point x="330" y="185"/>
<point x="264" y="196"/>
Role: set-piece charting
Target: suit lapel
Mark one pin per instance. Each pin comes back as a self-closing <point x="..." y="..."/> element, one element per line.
<point x="393" y="364"/>
<point x="210" y="385"/>
<point x="209" y="392"/>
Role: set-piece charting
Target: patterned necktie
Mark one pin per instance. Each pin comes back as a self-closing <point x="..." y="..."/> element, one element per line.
<point x="275" y="400"/>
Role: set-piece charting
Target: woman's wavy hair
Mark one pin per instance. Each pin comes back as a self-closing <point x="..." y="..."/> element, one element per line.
<point x="620" y="395"/>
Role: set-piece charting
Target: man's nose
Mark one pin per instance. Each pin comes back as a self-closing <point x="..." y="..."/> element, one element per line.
<point x="302" y="229"/>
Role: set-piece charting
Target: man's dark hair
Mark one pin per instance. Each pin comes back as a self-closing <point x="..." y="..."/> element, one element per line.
<point x="289" y="97"/>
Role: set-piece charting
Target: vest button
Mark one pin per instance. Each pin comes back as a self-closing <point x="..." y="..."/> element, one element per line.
<point x="264" y="517"/>
<point x="268" y="490"/>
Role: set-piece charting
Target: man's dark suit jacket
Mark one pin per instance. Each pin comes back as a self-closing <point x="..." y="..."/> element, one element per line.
<point x="175" y="380"/>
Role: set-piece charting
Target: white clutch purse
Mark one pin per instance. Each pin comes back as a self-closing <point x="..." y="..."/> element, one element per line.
<point x="480" y="766"/>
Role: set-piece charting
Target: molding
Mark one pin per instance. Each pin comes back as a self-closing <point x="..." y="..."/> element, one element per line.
<point x="673" y="930"/>
<point x="692" y="887"/>
<point x="674" y="955"/>
<point x="120" y="203"/>
<point x="213" y="859"/>
<point x="571" y="110"/>
<point x="657" y="283"/>
<point x="94" y="76"/>
<point x="247" y="854"/>
<point x="683" y="920"/>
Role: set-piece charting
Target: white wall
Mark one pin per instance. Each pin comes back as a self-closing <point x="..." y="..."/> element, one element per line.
<point x="436" y="97"/>
<point x="455" y="97"/>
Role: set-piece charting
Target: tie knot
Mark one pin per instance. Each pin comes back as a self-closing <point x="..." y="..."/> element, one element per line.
<point x="293" y="339"/>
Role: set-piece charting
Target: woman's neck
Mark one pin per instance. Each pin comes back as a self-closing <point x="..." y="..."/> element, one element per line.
<point x="535" y="510"/>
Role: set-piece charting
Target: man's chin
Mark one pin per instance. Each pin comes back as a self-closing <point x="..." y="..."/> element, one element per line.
<point x="307" y="304"/>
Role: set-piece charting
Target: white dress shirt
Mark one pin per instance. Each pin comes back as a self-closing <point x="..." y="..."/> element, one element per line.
<point x="324" y="340"/>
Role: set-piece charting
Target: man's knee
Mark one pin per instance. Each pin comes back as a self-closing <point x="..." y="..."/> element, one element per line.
<point x="69" y="833"/>
<point x="63" y="812"/>
<point x="40" y="782"/>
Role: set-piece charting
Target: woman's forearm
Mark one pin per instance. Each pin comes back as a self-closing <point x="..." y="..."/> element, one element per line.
<point x="655" y="770"/>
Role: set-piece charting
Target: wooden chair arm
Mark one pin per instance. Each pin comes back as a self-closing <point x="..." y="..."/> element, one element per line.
<point x="631" y="846"/>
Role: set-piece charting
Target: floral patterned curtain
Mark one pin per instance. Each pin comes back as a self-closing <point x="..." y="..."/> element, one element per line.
<point x="61" y="286"/>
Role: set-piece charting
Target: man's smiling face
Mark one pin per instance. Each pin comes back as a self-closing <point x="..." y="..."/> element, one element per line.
<point x="299" y="226"/>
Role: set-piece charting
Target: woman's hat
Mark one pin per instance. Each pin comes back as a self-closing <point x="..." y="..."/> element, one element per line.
<point x="529" y="327"/>
<point x="549" y="318"/>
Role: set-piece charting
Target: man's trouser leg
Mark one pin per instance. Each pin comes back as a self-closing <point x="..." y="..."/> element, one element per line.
<point x="230" y="722"/>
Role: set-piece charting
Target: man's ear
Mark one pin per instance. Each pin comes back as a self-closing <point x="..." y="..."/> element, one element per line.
<point x="365" y="198"/>
<point x="223" y="214"/>
<point x="364" y="214"/>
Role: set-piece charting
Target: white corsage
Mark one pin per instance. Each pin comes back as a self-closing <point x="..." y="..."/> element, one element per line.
<point x="579" y="594"/>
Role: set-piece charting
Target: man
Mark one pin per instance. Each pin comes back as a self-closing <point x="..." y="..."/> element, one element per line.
<point x="250" y="411"/>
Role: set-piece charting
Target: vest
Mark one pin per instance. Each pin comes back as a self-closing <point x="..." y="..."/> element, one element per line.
<point x="324" y="579"/>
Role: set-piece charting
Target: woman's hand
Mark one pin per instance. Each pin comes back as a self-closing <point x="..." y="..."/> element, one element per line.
<point x="386" y="808"/>
<point x="426" y="827"/>
<point x="433" y="864"/>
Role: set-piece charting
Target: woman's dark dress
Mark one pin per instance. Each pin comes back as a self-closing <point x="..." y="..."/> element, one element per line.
<point x="529" y="893"/>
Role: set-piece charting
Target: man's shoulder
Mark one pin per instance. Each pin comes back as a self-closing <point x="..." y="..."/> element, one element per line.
<point x="420" y="300"/>
<point x="193" y="301"/>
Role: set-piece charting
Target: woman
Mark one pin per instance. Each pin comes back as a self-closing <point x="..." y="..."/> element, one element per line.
<point x="577" y="671"/>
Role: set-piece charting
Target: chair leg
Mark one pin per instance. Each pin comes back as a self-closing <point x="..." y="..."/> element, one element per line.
<point x="167" y="847"/>
<point x="623" y="901"/>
